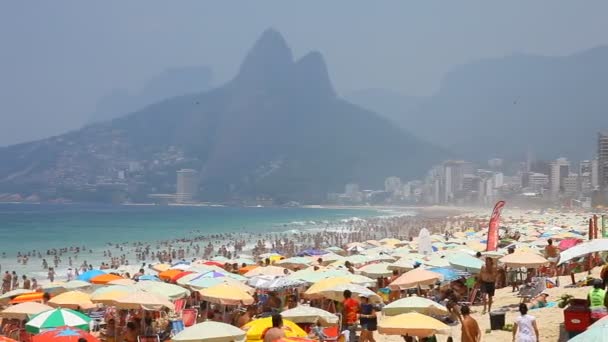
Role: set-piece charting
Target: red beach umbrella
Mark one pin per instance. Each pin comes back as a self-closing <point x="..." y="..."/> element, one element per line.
<point x="568" y="243"/>
<point x="64" y="334"/>
<point x="178" y="276"/>
<point x="213" y="263"/>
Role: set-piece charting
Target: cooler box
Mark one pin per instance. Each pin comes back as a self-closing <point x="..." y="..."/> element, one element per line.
<point x="577" y="316"/>
<point x="497" y="320"/>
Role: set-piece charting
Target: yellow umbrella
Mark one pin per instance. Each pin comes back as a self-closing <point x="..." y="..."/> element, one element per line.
<point x="255" y="329"/>
<point x="124" y="281"/>
<point x="145" y="300"/>
<point x="412" y="324"/>
<point x="161" y="267"/>
<point x="315" y="290"/>
<point x="72" y="300"/>
<point x="226" y="294"/>
<point x="415" y="278"/>
<point x="476" y="246"/>
<point x="110" y="294"/>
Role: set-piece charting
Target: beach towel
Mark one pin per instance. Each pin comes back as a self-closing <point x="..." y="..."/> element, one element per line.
<point x="549" y="305"/>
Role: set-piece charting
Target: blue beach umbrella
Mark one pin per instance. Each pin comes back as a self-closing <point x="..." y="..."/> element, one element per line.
<point x="88" y="275"/>
<point x="449" y="274"/>
<point x="149" y="278"/>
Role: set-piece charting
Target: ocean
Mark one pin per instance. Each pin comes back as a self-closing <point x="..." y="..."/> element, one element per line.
<point x="28" y="227"/>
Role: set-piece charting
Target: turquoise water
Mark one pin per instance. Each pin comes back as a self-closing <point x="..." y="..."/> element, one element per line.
<point x="26" y="227"/>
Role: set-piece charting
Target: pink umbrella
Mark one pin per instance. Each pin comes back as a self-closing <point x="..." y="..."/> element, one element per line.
<point x="568" y="243"/>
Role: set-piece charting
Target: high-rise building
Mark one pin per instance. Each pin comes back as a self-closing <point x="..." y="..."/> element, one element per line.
<point x="595" y="178"/>
<point x="570" y="185"/>
<point x="560" y="169"/>
<point x="602" y="157"/>
<point x="187" y="185"/>
<point x="538" y="181"/>
<point x="393" y="185"/>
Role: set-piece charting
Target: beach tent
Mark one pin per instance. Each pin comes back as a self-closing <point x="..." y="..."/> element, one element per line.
<point x="582" y="249"/>
<point x="72" y="300"/>
<point x="88" y="275"/>
<point x="414" y="278"/>
<point x="412" y="324"/>
<point x="227" y="295"/>
<point x="57" y="318"/>
<point x="210" y="332"/>
<point x="23" y="310"/>
<point x="414" y="304"/>
<point x="523" y="259"/>
<point x="308" y="314"/>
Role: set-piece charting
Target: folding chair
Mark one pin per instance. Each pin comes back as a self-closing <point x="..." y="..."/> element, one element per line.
<point x="189" y="317"/>
<point x="176" y="326"/>
<point x="179" y="306"/>
<point x="148" y="338"/>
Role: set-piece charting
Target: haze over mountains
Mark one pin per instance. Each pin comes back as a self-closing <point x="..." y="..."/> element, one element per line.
<point x="551" y="106"/>
<point x="276" y="130"/>
<point x="170" y="83"/>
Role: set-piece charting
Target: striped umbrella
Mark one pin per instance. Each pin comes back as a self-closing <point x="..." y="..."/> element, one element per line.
<point x="64" y="334"/>
<point x="57" y="318"/>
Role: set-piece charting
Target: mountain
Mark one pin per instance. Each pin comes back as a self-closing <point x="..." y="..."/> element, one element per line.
<point x="170" y="83"/>
<point x="276" y="130"/>
<point x="390" y="104"/>
<point x="503" y="107"/>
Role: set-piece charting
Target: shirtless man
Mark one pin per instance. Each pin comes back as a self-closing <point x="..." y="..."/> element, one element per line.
<point x="276" y="332"/>
<point x="552" y="254"/>
<point x="487" y="278"/>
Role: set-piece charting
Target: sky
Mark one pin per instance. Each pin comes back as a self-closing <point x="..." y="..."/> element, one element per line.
<point x="58" y="58"/>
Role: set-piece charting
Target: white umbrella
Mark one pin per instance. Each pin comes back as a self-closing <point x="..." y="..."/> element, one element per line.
<point x="376" y="270"/>
<point x="210" y="332"/>
<point x="523" y="259"/>
<point x="308" y="314"/>
<point x="337" y="292"/>
<point x="23" y="310"/>
<point x="582" y="249"/>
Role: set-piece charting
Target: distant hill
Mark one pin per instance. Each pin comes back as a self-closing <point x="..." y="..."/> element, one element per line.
<point x="553" y="106"/>
<point x="276" y="130"/>
<point x="170" y="83"/>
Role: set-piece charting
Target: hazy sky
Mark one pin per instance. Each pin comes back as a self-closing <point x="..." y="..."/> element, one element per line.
<point x="57" y="58"/>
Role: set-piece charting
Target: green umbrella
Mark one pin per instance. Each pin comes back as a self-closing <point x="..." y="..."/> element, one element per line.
<point x="465" y="262"/>
<point x="597" y="332"/>
<point x="57" y="318"/>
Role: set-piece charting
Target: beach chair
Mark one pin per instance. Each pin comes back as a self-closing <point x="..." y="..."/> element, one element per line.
<point x="179" y="306"/>
<point x="189" y="317"/>
<point x="528" y="291"/>
<point x="176" y="326"/>
<point x="148" y="338"/>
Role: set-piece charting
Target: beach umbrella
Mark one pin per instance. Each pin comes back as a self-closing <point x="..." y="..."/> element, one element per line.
<point x="568" y="243"/>
<point x="311" y="276"/>
<point x="76" y="285"/>
<point x="210" y="332"/>
<point x="449" y="274"/>
<point x="23" y="310"/>
<point x="583" y="249"/>
<point x="179" y="276"/>
<point x="54" y="287"/>
<point x="14" y="293"/>
<point x="104" y="278"/>
<point x="309" y="314"/>
<point x="378" y="270"/>
<point x="337" y="292"/>
<point x="437" y="261"/>
<point x="247" y="268"/>
<point x="412" y="324"/>
<point x="148" y="277"/>
<point x="109" y="294"/>
<point x="168" y="274"/>
<point x="72" y="300"/>
<point x="414" y="304"/>
<point x="226" y="295"/>
<point x="214" y="263"/>
<point x="64" y="334"/>
<point x="123" y="281"/>
<point x="219" y="258"/>
<point x="383" y="257"/>
<point x="494" y="254"/>
<point x="414" y="278"/>
<point x="334" y="249"/>
<point x="180" y="267"/>
<point x="143" y="300"/>
<point x="465" y="262"/>
<point x="210" y="282"/>
<point x="170" y="291"/>
<point x="266" y="270"/>
<point x="402" y="265"/>
<point x="28" y="297"/>
<point x="7" y="339"/>
<point x="183" y="281"/>
<point x="294" y="262"/>
<point x="57" y="318"/>
<point x="88" y="275"/>
<point x="596" y="332"/>
<point x="523" y="259"/>
<point x="161" y="267"/>
<point x="315" y="290"/>
<point x="255" y="329"/>
<point x="241" y="261"/>
<point x="280" y="283"/>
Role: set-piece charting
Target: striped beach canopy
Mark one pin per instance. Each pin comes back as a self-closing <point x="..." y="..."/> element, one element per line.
<point x="57" y="318"/>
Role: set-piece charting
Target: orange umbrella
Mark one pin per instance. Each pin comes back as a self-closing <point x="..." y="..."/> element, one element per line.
<point x="246" y="269"/>
<point x="169" y="274"/>
<point x="30" y="297"/>
<point x="180" y="275"/>
<point x="105" y="278"/>
<point x="6" y="339"/>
